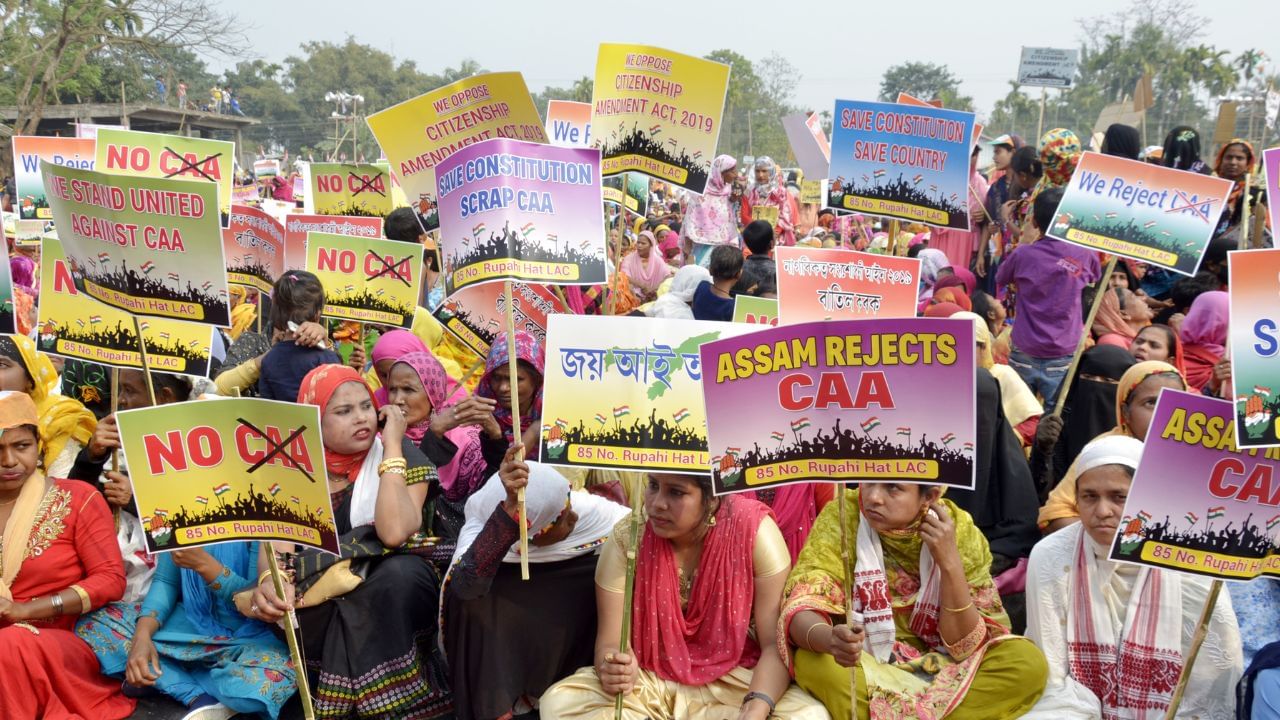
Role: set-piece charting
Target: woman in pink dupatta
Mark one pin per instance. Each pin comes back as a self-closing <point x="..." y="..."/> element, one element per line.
<point x="706" y="569"/>
<point x="646" y="268"/>
<point x="959" y="245"/>
<point x="709" y="221"/>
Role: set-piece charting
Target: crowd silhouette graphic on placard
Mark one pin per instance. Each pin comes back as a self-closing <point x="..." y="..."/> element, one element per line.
<point x="904" y="190"/>
<point x="511" y="243"/>
<point x="120" y="277"/>
<point x="639" y="142"/>
<point x="164" y="526"/>
<point x="122" y="337"/>
<point x="1243" y="540"/>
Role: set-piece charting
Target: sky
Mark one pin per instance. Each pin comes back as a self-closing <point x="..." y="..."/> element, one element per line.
<point x="839" y="49"/>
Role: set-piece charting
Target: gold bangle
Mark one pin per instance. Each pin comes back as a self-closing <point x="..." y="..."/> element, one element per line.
<point x="392" y="465"/>
<point x="806" y="635"/>
<point x="959" y="610"/>
<point x="264" y="575"/>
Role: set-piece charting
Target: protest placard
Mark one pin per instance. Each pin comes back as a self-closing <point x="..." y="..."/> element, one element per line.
<point x="755" y="310"/>
<point x="72" y="325"/>
<point x="657" y="112"/>
<point x="865" y="400"/>
<point x="28" y="151"/>
<point x="622" y="393"/>
<point x="245" y="195"/>
<point x="630" y="190"/>
<point x="1159" y="215"/>
<point x="8" y="323"/>
<point x="1271" y="168"/>
<point x="1197" y="504"/>
<point x="1255" y="345"/>
<point x="151" y="246"/>
<point x="297" y="226"/>
<point x="521" y="211"/>
<point x="808" y="143"/>
<point x="348" y="189"/>
<point x="811" y="192"/>
<point x="901" y="162"/>
<point x="569" y="123"/>
<point x="833" y="284"/>
<point x="418" y="134"/>
<point x="227" y="470"/>
<point x="1047" y="67"/>
<point x="155" y="155"/>
<point x="477" y="314"/>
<point x="912" y="100"/>
<point x="370" y="280"/>
<point x="266" y="168"/>
<point x="767" y="213"/>
<point x="254" y="248"/>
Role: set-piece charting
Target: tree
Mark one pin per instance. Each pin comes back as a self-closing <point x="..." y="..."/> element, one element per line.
<point x="580" y="91"/>
<point x="47" y="42"/>
<point x="926" y="81"/>
<point x="754" y="106"/>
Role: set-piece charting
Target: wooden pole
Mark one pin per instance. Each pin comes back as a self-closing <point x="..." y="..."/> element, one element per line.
<point x="617" y="260"/>
<point x="291" y="637"/>
<point x="514" y="385"/>
<point x="628" y="601"/>
<point x="559" y="291"/>
<point x="842" y="499"/>
<point x="1102" y="289"/>
<point x="1243" y="242"/>
<point x="146" y="373"/>
<point x="1202" y="629"/>
<point x="115" y="454"/>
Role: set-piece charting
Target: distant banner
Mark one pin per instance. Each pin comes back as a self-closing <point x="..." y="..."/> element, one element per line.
<point x="477" y="313"/>
<point x="1197" y="504"/>
<point x="245" y="195"/>
<point x="28" y="151"/>
<point x="861" y="400"/>
<point x="296" y="227"/>
<point x="418" y="134"/>
<point x="369" y="280"/>
<point x="896" y="161"/>
<point x="521" y="211"/>
<point x="266" y="168"/>
<point x="755" y="310"/>
<point x="811" y="192"/>
<point x="150" y="246"/>
<point x="228" y="470"/>
<point x="349" y="189"/>
<point x="72" y="325"/>
<point x="8" y="323"/>
<point x="657" y="112"/>
<point x="1255" y="346"/>
<point x="569" y="123"/>
<point x="830" y="284"/>
<point x="90" y="130"/>
<point x="254" y="248"/>
<point x="1155" y="214"/>
<point x="630" y="190"/>
<point x="623" y="393"/>
<point x="808" y="143"/>
<point x="1047" y="67"/>
<point x="153" y="155"/>
<point x="1271" y="164"/>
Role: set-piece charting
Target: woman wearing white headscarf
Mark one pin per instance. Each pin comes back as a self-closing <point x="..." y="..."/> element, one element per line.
<point x="674" y="303"/>
<point x="768" y="190"/>
<point x="1116" y="634"/>
<point x="503" y="652"/>
<point x="709" y="221"/>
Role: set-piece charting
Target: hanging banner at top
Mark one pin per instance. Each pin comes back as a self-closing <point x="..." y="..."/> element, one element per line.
<point x="910" y="163"/>
<point x="418" y="134"/>
<point x="657" y="112"/>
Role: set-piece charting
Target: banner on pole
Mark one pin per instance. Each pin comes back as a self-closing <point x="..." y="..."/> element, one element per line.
<point x="254" y="248"/>
<point x="477" y="313"/>
<point x="349" y="189"/>
<point x="1048" y="67"/>
<point x="155" y="155"/>
<point x="369" y="280"/>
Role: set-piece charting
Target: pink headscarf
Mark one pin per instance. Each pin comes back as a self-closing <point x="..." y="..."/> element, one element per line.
<point x="464" y="474"/>
<point x="710" y="220"/>
<point x="646" y="273"/>
<point x="1206" y="322"/>
<point x="394" y="345"/>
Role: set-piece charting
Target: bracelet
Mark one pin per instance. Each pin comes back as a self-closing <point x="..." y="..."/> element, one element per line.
<point x="806" y="635"/>
<point x="265" y="574"/>
<point x="959" y="609"/>
<point x="56" y="599"/>
<point x="753" y="695"/>
<point x="393" y="465"/>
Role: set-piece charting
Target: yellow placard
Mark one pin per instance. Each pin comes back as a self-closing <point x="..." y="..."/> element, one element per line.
<point x="767" y="213"/>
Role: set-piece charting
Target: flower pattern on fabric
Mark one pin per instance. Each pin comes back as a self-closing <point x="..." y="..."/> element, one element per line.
<point x="50" y="522"/>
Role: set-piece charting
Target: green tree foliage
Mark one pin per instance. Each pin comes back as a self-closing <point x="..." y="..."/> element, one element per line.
<point x="579" y="91"/>
<point x="759" y="95"/>
<point x="926" y="81"/>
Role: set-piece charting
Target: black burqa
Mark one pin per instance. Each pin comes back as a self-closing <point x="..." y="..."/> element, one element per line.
<point x="1123" y="141"/>
<point x="1003" y="502"/>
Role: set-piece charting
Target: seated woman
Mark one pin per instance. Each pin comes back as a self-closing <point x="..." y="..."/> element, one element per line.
<point x="379" y="485"/>
<point x="58" y="559"/>
<point x="706" y="569"/>
<point x="65" y="424"/>
<point x="495" y="385"/>
<point x="932" y="639"/>
<point x="188" y="640"/>
<point x="1116" y="634"/>
<point x="645" y="268"/>
<point x="1158" y="342"/>
<point x="1136" y="396"/>
<point x="503" y="654"/>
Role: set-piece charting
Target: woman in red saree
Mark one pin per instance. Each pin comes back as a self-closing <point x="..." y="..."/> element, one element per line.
<point x="58" y="560"/>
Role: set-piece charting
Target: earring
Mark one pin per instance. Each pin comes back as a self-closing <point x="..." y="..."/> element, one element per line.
<point x="711" y="522"/>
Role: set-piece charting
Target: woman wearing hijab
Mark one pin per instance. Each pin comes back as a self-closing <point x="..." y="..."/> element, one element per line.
<point x="58" y="560"/>
<point x="674" y="303"/>
<point x="769" y="191"/>
<point x="65" y="424"/>
<point x="1123" y="141"/>
<point x="378" y="483"/>
<point x="1090" y="410"/>
<point x="1204" y="337"/>
<point x="645" y="268"/>
<point x="1060" y="150"/>
<point x="188" y="640"/>
<point x="1136" y="396"/>
<point x="392" y="346"/>
<point x="709" y="221"/>
<point x="495" y="385"/>
<point x="706" y="568"/>
<point x="1235" y="161"/>
<point x="1121" y="314"/>
<point x="503" y="654"/>
<point x="1182" y="150"/>
<point x="933" y="640"/>
<point x="1116" y="635"/>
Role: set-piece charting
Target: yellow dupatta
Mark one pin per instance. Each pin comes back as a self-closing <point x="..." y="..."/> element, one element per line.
<point x="16" y="410"/>
<point x="62" y="419"/>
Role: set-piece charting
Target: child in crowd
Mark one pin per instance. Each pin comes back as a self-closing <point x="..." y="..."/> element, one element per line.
<point x="297" y="298"/>
<point x="714" y="300"/>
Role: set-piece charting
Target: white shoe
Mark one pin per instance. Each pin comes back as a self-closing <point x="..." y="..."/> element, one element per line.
<point x="216" y="711"/>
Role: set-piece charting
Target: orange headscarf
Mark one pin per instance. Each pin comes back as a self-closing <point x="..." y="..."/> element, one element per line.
<point x="317" y="389"/>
